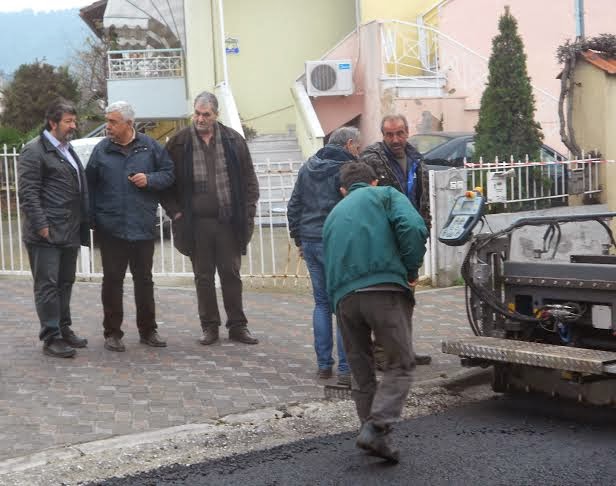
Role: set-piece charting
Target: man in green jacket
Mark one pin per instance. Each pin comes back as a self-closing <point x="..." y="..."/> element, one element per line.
<point x="374" y="242"/>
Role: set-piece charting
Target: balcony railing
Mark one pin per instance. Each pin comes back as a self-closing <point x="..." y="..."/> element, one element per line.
<point x="150" y="63"/>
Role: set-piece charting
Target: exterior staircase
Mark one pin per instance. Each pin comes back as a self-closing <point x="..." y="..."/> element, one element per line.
<point x="276" y="158"/>
<point x="280" y="151"/>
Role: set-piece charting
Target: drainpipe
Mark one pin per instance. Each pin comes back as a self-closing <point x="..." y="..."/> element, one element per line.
<point x="579" y="19"/>
<point x="221" y="19"/>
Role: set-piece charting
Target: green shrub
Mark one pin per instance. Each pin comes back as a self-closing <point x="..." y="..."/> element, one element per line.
<point x="11" y="137"/>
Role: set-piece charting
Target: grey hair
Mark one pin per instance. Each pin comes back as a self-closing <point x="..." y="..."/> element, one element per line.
<point x="341" y="135"/>
<point x="207" y="98"/>
<point x="397" y="116"/>
<point x="123" y="108"/>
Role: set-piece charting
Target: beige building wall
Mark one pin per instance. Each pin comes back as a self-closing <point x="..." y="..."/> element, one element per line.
<point x="275" y="38"/>
<point x="394" y="9"/>
<point x="590" y="110"/>
<point x="594" y="122"/>
<point x="200" y="69"/>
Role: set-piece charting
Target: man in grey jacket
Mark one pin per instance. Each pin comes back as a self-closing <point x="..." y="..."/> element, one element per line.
<point x="53" y="197"/>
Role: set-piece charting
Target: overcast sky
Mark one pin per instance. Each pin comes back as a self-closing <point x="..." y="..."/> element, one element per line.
<point x="41" y="5"/>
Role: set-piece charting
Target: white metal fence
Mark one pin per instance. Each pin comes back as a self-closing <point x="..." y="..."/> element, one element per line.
<point x="148" y="63"/>
<point x="271" y="257"/>
<point x="536" y="185"/>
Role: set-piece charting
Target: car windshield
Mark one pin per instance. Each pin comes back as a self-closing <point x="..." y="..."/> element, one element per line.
<point x="424" y="142"/>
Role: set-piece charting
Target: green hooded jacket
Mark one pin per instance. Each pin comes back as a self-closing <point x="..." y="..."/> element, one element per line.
<point x="373" y="236"/>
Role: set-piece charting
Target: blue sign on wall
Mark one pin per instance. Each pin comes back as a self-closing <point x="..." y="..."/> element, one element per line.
<point x="232" y="45"/>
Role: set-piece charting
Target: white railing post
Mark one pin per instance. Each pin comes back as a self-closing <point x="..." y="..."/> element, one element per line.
<point x="85" y="259"/>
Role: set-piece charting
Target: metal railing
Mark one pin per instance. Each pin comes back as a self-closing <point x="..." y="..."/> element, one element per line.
<point x="149" y="63"/>
<point x="422" y="52"/>
<point x="308" y="128"/>
<point x="534" y="185"/>
<point x="271" y="257"/>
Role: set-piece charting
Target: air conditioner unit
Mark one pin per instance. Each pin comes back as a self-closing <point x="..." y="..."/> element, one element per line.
<point x="329" y="78"/>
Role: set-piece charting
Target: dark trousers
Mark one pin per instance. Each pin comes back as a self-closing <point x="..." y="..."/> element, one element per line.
<point x="116" y="255"/>
<point x="387" y="315"/>
<point x="216" y="249"/>
<point x="379" y="353"/>
<point x="53" y="271"/>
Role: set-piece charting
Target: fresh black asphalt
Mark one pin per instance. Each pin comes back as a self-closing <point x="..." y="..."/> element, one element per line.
<point x="506" y="441"/>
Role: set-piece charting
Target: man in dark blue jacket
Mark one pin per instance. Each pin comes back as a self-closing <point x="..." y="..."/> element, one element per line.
<point x="316" y="192"/>
<point x="126" y="174"/>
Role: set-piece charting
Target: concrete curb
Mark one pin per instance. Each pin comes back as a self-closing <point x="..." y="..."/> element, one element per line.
<point x="465" y="377"/>
<point x="460" y="379"/>
<point x="18" y="464"/>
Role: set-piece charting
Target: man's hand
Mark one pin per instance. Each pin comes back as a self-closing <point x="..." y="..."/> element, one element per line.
<point x="140" y="180"/>
<point x="177" y="216"/>
<point x="44" y="233"/>
<point x="412" y="283"/>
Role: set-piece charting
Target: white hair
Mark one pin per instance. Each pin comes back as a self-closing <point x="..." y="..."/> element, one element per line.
<point x="123" y="108"/>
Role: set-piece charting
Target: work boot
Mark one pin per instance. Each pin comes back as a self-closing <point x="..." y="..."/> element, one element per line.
<point x="242" y="335"/>
<point x="58" y="348"/>
<point x="344" y="379"/>
<point x="72" y="339"/>
<point x="324" y="373"/>
<point x="210" y="336"/>
<point x="153" y="339"/>
<point x="113" y="343"/>
<point x="422" y="359"/>
<point x="376" y="441"/>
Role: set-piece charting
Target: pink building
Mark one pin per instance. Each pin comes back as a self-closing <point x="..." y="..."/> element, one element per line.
<point x="436" y="74"/>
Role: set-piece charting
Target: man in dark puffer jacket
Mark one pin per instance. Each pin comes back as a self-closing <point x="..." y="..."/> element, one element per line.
<point x="316" y="192"/>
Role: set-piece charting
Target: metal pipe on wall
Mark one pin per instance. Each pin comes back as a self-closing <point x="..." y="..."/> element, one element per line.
<point x="579" y="19"/>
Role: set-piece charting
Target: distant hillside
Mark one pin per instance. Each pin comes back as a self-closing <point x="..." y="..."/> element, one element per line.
<point x="26" y="36"/>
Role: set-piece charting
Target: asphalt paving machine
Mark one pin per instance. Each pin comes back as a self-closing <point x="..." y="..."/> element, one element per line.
<point x="544" y="325"/>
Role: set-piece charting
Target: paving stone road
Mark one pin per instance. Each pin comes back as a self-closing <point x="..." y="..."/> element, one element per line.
<point x="47" y="402"/>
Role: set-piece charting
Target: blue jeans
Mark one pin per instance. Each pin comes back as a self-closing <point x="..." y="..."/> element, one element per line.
<point x="322" y="315"/>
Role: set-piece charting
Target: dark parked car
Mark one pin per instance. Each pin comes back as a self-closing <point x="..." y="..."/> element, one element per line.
<point x="448" y="149"/>
<point x="445" y="150"/>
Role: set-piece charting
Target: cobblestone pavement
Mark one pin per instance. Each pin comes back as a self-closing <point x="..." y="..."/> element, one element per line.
<point x="47" y="402"/>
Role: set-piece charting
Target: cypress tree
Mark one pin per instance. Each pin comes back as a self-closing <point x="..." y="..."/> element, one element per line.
<point x="506" y="124"/>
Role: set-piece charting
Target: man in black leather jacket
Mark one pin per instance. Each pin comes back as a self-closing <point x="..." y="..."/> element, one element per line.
<point x="53" y="196"/>
<point x="316" y="192"/>
<point x="398" y="164"/>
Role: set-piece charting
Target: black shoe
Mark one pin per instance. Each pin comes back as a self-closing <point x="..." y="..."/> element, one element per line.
<point x="58" y="348"/>
<point x="72" y="339"/>
<point x="113" y="343"/>
<point x="210" y="336"/>
<point x="376" y="441"/>
<point x="242" y="335"/>
<point x="422" y="359"/>
<point x="154" y="340"/>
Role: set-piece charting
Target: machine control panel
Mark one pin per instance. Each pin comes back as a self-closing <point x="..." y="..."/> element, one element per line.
<point x="466" y="212"/>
